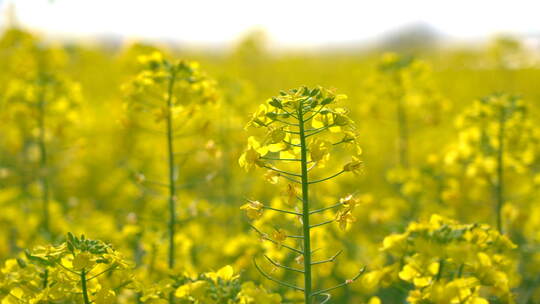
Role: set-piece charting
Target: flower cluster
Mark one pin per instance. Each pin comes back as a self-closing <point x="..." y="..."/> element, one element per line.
<point x="412" y="85"/>
<point x="490" y="124"/>
<point x="330" y="127"/>
<point x="221" y="286"/>
<point x="181" y="82"/>
<point x="72" y="270"/>
<point x="446" y="262"/>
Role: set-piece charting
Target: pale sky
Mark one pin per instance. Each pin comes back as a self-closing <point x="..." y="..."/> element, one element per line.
<point x="288" y="23"/>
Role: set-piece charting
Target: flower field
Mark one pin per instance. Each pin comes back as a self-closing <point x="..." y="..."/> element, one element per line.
<point x="147" y="173"/>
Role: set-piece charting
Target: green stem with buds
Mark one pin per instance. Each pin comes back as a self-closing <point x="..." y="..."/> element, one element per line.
<point x="301" y="137"/>
<point x="305" y="209"/>
<point x="172" y="188"/>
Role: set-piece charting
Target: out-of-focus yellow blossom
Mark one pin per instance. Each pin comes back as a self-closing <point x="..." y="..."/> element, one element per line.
<point x="253" y="209"/>
<point x="280" y="236"/>
<point x="350" y="202"/>
<point x="105" y="296"/>
<point x="252" y="156"/>
<point x="226" y="274"/>
<point x="355" y="166"/>
<point x="272" y="177"/>
<point x="319" y="150"/>
<point x="344" y="218"/>
<point x="252" y="294"/>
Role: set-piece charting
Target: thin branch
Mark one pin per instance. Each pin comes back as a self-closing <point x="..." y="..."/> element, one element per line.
<point x="317" y="131"/>
<point x="291" y="132"/>
<point x="282" y="266"/>
<point x="104" y="271"/>
<point x="315" y="250"/>
<point x="286" y="122"/>
<point x="291" y="179"/>
<point x="264" y="236"/>
<point x="332" y="259"/>
<point x="290" y="143"/>
<point x="295" y="236"/>
<point x="74" y="272"/>
<point x="283" y="211"/>
<point x="327" y="178"/>
<point x="276" y="280"/>
<point x="341" y="142"/>
<point x="347" y="282"/>
<point x="281" y="171"/>
<point x="291" y="114"/>
<point x="321" y="224"/>
<point x="281" y="159"/>
<point x="315" y="114"/>
<point x="325" y="208"/>
<point x="260" y="123"/>
<point x="306" y="109"/>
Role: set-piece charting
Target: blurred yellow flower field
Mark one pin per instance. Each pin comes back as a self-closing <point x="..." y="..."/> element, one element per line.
<point x="150" y="174"/>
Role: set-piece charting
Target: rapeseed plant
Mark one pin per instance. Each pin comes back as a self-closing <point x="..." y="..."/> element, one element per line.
<point x="302" y="127"/>
<point x="172" y="92"/>
<point x="41" y="106"/>
<point x="495" y="136"/>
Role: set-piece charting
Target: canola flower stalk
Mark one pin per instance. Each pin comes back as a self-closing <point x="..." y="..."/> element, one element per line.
<point x="486" y="127"/>
<point x="302" y="128"/>
<point x="185" y="89"/>
<point x="411" y="91"/>
<point x="48" y="99"/>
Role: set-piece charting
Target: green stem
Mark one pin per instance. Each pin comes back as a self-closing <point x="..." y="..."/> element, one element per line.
<point x="45" y="278"/>
<point x="83" y="287"/>
<point x="439" y="273"/>
<point x="305" y="209"/>
<point x="403" y="133"/>
<point x="43" y="161"/>
<point x="500" y="171"/>
<point x="460" y="270"/>
<point x="172" y="188"/>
